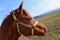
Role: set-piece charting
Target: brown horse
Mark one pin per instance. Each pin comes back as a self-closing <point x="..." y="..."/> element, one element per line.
<point x="20" y="22"/>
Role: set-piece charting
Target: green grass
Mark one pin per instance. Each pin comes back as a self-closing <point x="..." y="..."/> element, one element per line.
<point x="49" y="19"/>
<point x="52" y="21"/>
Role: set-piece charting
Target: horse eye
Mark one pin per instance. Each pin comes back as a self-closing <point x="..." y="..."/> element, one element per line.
<point x="25" y="14"/>
<point x="29" y="18"/>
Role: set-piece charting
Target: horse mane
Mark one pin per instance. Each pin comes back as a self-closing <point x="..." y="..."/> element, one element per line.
<point x="8" y="28"/>
<point x="7" y="23"/>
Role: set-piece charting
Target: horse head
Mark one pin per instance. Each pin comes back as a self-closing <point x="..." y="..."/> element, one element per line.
<point x="26" y="24"/>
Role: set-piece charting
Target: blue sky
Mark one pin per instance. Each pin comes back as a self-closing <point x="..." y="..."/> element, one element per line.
<point x="35" y="7"/>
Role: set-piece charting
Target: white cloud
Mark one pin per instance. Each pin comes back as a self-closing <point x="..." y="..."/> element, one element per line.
<point x="44" y="6"/>
<point x="53" y="4"/>
<point x="2" y="8"/>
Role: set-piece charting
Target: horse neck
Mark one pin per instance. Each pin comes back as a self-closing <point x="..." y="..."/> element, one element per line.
<point x="9" y="30"/>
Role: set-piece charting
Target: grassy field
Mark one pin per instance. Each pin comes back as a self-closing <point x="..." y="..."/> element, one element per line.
<point x="52" y="21"/>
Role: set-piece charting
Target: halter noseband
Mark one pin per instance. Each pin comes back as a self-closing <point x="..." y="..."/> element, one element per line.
<point x="30" y="26"/>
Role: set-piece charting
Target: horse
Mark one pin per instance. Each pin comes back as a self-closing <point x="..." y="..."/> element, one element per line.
<point x="19" y="22"/>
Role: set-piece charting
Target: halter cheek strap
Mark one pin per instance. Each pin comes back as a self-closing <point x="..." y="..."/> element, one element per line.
<point x="14" y="17"/>
<point x="33" y="27"/>
<point x="30" y="26"/>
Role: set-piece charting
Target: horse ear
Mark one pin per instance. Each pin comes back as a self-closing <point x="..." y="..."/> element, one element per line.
<point x="20" y="7"/>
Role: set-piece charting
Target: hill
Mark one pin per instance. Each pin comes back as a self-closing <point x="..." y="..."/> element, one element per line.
<point x="52" y="22"/>
<point x="50" y="18"/>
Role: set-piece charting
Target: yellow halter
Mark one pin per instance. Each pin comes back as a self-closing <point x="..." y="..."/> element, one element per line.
<point x="30" y="26"/>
